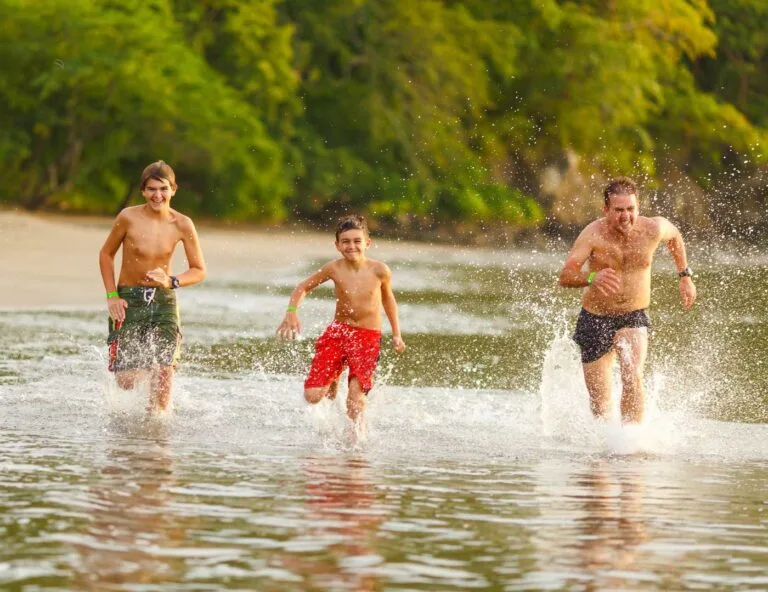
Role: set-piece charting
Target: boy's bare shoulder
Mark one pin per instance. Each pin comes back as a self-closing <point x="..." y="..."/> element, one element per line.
<point x="128" y="214"/>
<point x="130" y="211"/>
<point x="379" y="267"/>
<point x="183" y="221"/>
<point x="332" y="267"/>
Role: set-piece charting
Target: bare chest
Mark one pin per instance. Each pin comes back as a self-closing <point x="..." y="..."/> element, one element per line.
<point x="151" y="241"/>
<point x="633" y="255"/>
<point x="357" y="286"/>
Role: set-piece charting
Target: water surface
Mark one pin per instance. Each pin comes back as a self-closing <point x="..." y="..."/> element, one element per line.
<point x="482" y="468"/>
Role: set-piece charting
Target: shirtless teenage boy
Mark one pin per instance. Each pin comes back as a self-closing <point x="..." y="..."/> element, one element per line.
<point x="144" y="328"/>
<point x="619" y="250"/>
<point x="353" y="338"/>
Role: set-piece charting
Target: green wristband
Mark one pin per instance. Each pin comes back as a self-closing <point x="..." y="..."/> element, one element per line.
<point x="591" y="277"/>
<point x="113" y="295"/>
<point x="291" y="309"/>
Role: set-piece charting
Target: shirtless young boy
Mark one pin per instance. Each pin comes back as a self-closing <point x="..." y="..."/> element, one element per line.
<point x="363" y="288"/>
<point x="144" y="327"/>
<point x="619" y="250"/>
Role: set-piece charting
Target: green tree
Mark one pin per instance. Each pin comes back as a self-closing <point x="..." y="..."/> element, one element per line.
<point x="95" y="90"/>
<point x="394" y="92"/>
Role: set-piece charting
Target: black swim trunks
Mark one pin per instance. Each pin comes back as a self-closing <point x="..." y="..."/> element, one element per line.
<point x="150" y="335"/>
<point x="594" y="333"/>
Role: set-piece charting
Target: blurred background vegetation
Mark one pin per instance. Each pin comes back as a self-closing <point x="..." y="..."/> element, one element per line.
<point x="422" y="114"/>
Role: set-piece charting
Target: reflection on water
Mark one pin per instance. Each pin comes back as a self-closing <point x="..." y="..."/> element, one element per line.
<point x="483" y="469"/>
<point x="131" y="532"/>
<point x="337" y="550"/>
<point x="613" y="525"/>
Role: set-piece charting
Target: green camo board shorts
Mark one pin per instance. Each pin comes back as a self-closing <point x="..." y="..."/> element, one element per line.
<point x="150" y="335"/>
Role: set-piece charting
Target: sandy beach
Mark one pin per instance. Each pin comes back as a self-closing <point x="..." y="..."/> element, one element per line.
<point x="52" y="261"/>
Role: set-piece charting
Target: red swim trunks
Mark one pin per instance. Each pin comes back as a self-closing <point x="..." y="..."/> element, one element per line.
<point x="344" y="345"/>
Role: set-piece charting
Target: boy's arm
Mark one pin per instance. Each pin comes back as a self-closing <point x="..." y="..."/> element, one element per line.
<point x="196" y="272"/>
<point x="115" y="305"/>
<point x="290" y="325"/>
<point x="390" y="308"/>
<point x="605" y="281"/>
<point x="670" y="236"/>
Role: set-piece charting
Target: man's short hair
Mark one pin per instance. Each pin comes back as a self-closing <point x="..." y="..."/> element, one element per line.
<point x="351" y="222"/>
<point x="159" y="171"/>
<point x="619" y="186"/>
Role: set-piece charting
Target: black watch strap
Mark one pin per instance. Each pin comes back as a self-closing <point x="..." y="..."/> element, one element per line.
<point x="175" y="282"/>
<point x="687" y="272"/>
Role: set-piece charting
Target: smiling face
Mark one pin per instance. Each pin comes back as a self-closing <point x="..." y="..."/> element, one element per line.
<point x="621" y="212"/>
<point x="158" y="193"/>
<point x="352" y="244"/>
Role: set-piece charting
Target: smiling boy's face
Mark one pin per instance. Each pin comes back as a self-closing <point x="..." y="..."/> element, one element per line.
<point x="158" y="193"/>
<point x="352" y="244"/>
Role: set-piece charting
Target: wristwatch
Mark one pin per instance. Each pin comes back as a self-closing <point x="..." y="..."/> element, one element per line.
<point x="687" y="272"/>
<point x="175" y="283"/>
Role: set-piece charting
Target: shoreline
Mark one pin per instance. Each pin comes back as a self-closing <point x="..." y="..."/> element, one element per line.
<point x="51" y="260"/>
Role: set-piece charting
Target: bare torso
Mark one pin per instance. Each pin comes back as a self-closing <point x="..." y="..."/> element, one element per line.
<point x="358" y="293"/>
<point x="148" y="244"/>
<point x="630" y="257"/>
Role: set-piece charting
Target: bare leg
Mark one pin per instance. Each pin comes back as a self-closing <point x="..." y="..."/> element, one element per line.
<point x="356" y="401"/>
<point x="597" y="376"/>
<point x="160" y="388"/>
<point x="632" y="346"/>
<point x="333" y="389"/>
<point x="127" y="379"/>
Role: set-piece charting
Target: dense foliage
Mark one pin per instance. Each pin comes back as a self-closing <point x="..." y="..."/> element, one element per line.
<point x="430" y="110"/>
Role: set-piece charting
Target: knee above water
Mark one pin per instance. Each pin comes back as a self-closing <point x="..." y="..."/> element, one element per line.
<point x="313" y="395"/>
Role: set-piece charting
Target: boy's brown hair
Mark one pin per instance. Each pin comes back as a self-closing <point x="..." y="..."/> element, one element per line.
<point x="351" y="222"/>
<point x="619" y="186"/>
<point x="159" y="171"/>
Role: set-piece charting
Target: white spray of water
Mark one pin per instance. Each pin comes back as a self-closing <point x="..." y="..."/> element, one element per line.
<point x="566" y="417"/>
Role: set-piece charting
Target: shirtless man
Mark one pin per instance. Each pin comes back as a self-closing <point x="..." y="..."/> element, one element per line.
<point x="353" y="339"/>
<point x="144" y="327"/>
<point x="619" y="249"/>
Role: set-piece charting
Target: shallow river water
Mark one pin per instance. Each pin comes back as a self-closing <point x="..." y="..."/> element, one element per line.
<point x="481" y="470"/>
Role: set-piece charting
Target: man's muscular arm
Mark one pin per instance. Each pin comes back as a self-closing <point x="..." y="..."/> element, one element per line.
<point x="671" y="237"/>
<point x="605" y="281"/>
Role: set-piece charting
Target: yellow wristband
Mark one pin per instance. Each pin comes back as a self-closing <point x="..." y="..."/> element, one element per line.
<point x="113" y="295"/>
<point x="291" y="309"/>
<point x="591" y="278"/>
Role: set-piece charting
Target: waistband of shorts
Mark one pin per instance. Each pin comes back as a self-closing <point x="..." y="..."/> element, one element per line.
<point x="354" y="328"/>
<point x="616" y="316"/>
<point x="160" y="295"/>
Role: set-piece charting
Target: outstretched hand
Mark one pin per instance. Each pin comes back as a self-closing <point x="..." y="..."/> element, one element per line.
<point x="606" y="282"/>
<point x="687" y="292"/>
<point x="290" y="328"/>
<point x="398" y="344"/>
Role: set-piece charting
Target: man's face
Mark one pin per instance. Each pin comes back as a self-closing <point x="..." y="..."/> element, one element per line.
<point x="158" y="193"/>
<point x="621" y="212"/>
<point x="352" y="244"/>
